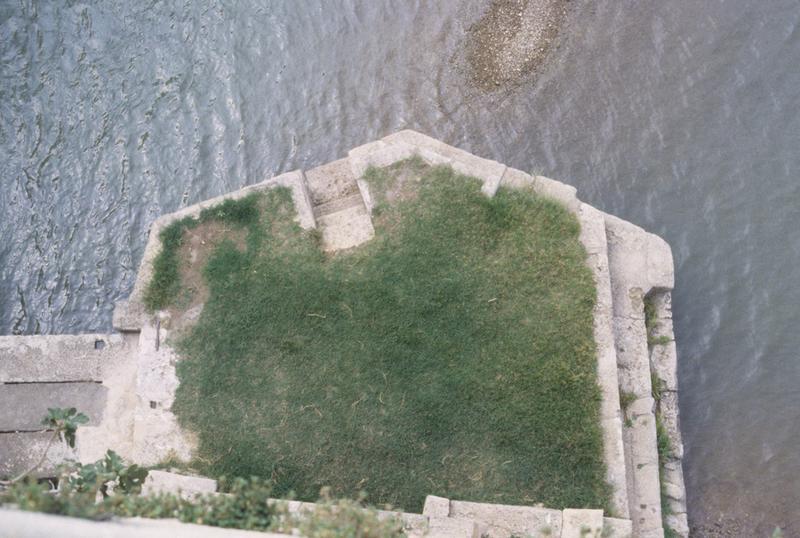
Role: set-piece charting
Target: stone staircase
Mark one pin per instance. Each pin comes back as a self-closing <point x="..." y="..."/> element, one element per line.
<point x="339" y="209"/>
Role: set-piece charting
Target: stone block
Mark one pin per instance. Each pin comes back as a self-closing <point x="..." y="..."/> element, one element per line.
<point x="617" y="528"/>
<point x="20" y="451"/>
<point x="187" y="486"/>
<point x="614" y="457"/>
<point x="668" y="411"/>
<point x="448" y="527"/>
<point x="663" y="362"/>
<point x="517" y="179"/>
<point x="580" y="523"/>
<point x="57" y="358"/>
<point x="436" y="152"/>
<point x="346" y="229"/>
<point x="436" y="506"/>
<point x="679" y="523"/>
<point x="660" y="268"/>
<point x="502" y="521"/>
<point x="127" y="316"/>
<point x="560" y="192"/>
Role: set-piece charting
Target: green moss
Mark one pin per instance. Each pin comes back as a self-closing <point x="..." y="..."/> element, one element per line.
<point x="451" y="355"/>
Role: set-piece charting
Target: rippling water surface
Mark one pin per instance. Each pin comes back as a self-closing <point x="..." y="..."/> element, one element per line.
<point x="678" y="115"/>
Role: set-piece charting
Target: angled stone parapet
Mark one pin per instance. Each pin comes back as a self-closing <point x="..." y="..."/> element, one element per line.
<point x="129" y="315"/>
<point x="436" y="152"/>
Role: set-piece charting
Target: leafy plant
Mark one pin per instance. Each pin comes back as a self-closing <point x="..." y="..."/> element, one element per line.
<point x="63" y="423"/>
<point x="110" y="471"/>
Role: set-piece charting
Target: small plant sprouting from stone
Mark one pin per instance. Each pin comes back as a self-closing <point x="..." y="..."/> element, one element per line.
<point x="63" y="423"/>
<point x="657" y="386"/>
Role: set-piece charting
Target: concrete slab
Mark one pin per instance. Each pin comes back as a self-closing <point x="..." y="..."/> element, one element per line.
<point x="20" y="451"/>
<point x="22" y="406"/>
<point x="582" y="523"/>
<point x="57" y="357"/>
<point x="502" y="521"/>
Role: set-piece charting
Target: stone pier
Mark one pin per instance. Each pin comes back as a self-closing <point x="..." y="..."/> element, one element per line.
<point x="126" y="381"/>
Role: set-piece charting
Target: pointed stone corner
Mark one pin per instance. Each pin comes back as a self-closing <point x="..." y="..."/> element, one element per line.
<point x="436" y="506"/>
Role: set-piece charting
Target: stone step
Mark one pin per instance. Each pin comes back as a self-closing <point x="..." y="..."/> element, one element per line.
<point x="344" y="229"/>
<point x="330" y="182"/>
<point x="337" y="205"/>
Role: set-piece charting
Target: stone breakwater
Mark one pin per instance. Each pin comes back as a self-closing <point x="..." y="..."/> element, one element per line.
<point x="126" y="381"/>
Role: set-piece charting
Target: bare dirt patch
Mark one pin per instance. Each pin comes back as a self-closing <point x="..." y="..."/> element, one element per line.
<point x="198" y="245"/>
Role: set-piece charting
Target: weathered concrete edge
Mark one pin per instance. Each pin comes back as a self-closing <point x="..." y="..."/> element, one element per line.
<point x="128" y="314"/>
<point x="645" y="268"/>
<point x="21" y="524"/>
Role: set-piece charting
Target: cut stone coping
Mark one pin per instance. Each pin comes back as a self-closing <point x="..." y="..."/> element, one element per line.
<point x="183" y="485"/>
<point x="628" y="264"/>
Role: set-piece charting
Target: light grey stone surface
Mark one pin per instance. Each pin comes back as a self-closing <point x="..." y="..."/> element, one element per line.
<point x="330" y="181"/>
<point x="22" y="406"/>
<point x="580" y="523"/>
<point x="157" y="434"/>
<point x="593" y="238"/>
<point x="20" y="451"/>
<point x="517" y="179"/>
<point x="617" y="528"/>
<point x="436" y="506"/>
<point x="566" y="194"/>
<point x="448" y="527"/>
<point x="436" y="152"/>
<point x="377" y="154"/>
<point x="345" y="229"/>
<point x="502" y="521"/>
<point x="19" y="524"/>
<point x="57" y="358"/>
<point x="187" y="486"/>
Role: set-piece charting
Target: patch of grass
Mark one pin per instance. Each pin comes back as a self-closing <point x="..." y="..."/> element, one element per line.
<point x="656" y="386"/>
<point x="164" y="286"/>
<point x="658" y="340"/>
<point x="626" y="399"/>
<point x="451" y="355"/>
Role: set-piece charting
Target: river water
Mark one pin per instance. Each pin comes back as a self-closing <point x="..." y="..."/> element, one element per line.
<point x="679" y="115"/>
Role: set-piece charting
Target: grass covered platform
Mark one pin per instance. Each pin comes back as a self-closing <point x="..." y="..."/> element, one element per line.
<point x="451" y="355"/>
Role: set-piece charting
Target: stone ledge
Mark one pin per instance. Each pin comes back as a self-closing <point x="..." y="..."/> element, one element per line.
<point x="183" y="485"/>
<point x="57" y="357"/>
